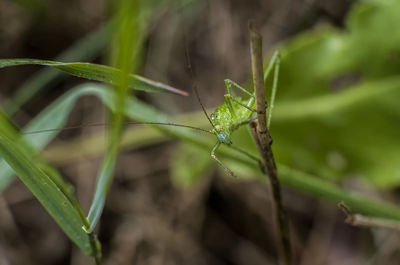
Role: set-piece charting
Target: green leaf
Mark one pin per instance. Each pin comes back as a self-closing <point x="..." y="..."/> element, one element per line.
<point x="45" y="120"/>
<point x="97" y="72"/>
<point x="18" y="155"/>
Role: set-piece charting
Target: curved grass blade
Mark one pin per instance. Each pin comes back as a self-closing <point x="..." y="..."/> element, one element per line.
<point x="60" y="109"/>
<point x="84" y="49"/>
<point x="97" y="72"/>
<point x="19" y="155"/>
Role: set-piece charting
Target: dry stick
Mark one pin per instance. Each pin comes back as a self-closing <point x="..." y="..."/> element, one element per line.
<point x="262" y="139"/>
<point x="361" y="220"/>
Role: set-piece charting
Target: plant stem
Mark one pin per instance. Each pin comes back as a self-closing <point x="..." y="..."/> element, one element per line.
<point x="95" y="247"/>
<point x="361" y="220"/>
<point x="262" y="138"/>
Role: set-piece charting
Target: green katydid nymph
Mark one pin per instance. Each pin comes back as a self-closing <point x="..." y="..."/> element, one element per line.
<point x="236" y="112"/>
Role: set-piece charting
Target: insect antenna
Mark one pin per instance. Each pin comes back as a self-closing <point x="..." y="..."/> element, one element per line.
<point x="193" y="76"/>
<point x="129" y="122"/>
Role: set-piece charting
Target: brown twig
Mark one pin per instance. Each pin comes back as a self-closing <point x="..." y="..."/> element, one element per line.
<point x="262" y="138"/>
<point x="361" y="220"/>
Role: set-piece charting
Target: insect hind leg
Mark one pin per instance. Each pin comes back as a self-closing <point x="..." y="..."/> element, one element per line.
<point x="227" y="170"/>
<point x="275" y="61"/>
<point x="228" y="101"/>
<point x="241" y="104"/>
<point x="229" y="83"/>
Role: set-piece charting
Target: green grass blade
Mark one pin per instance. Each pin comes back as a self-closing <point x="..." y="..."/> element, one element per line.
<point x="60" y="109"/>
<point x="125" y="51"/>
<point x="83" y="50"/>
<point x="102" y="187"/>
<point x="18" y="155"/>
<point x="45" y="120"/>
<point x="97" y="72"/>
<point x="319" y="188"/>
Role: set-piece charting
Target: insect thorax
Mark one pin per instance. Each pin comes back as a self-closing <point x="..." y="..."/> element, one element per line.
<point x="223" y="117"/>
<point x="225" y="123"/>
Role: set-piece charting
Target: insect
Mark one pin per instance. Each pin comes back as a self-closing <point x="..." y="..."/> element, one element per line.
<point x="236" y="112"/>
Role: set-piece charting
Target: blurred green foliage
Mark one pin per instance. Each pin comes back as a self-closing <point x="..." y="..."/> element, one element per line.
<point x="357" y="68"/>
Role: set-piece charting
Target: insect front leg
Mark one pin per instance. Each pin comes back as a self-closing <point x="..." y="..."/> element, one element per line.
<point x="219" y="161"/>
